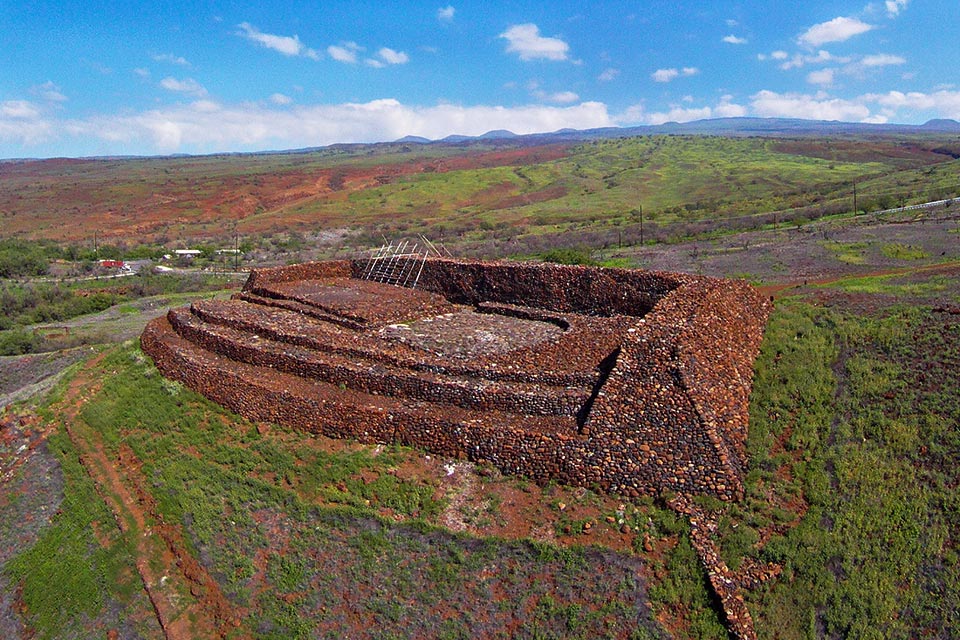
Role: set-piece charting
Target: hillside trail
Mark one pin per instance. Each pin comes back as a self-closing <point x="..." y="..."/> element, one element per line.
<point x="777" y="290"/>
<point x="187" y="601"/>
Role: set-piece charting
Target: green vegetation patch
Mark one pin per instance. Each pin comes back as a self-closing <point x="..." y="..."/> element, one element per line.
<point x="897" y="251"/>
<point x="848" y="252"/>
<point x="80" y="574"/>
<point x="300" y="531"/>
<point x="935" y="287"/>
<point x="29" y="303"/>
<point x="846" y="415"/>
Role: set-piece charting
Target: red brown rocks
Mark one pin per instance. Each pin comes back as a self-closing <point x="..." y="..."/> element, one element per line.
<point x="645" y="387"/>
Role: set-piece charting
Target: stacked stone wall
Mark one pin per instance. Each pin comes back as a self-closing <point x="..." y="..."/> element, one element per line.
<point x="567" y="362"/>
<point x="668" y="413"/>
<point x="547" y="286"/>
<point x="376" y="377"/>
<point x="296" y="272"/>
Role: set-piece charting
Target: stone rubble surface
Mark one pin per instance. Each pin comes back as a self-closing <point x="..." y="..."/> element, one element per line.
<point x="643" y="389"/>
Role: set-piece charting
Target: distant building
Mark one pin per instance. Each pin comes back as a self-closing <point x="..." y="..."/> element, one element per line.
<point x="112" y="264"/>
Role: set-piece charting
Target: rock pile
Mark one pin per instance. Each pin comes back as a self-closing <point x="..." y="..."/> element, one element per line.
<point x="641" y="386"/>
<point x="726" y="583"/>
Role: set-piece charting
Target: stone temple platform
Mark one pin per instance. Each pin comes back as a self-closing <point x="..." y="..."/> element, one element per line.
<point x="630" y="381"/>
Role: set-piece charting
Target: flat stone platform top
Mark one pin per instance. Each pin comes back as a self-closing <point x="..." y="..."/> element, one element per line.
<point x="631" y="381"/>
<point x="370" y="303"/>
<point x="466" y="333"/>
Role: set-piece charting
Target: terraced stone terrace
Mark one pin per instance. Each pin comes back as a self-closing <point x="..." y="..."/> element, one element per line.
<point x="630" y="381"/>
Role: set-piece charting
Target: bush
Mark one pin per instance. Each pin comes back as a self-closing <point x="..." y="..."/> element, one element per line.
<point x="19" y="258"/>
<point x="569" y="256"/>
<point x="18" y="342"/>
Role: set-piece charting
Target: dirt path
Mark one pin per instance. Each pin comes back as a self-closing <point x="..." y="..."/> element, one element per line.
<point x="777" y="290"/>
<point x="187" y="601"/>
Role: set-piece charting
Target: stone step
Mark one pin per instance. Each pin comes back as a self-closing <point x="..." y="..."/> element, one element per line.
<point x="301" y="308"/>
<point x="378" y="377"/>
<point x="290" y="326"/>
<point x="265" y="393"/>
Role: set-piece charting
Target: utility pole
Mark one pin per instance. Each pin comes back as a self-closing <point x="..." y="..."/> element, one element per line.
<point x="855" y="197"/>
<point x="236" y="252"/>
<point x="640" y="209"/>
<point x="637" y="215"/>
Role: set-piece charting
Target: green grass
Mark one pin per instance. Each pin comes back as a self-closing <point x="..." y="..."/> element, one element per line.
<point x="853" y="424"/>
<point x="316" y="520"/>
<point x="69" y="577"/>
<point x="23" y="304"/>
<point x="849" y="252"/>
<point x="873" y="555"/>
<point x="897" y="251"/>
<point x="933" y="287"/>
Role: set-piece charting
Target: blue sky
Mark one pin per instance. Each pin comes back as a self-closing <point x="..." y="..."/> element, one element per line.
<point x="89" y="77"/>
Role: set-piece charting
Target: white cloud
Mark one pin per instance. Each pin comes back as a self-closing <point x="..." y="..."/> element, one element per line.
<point x="172" y="59"/>
<point x="445" y="14"/>
<point x="287" y="45"/>
<point x="769" y="104"/>
<point x="821" y="76"/>
<point x="19" y="109"/>
<point x="280" y="99"/>
<point x="836" y="30"/>
<point x="632" y="115"/>
<point x="48" y="91"/>
<point x="526" y="41"/>
<point x="563" y="97"/>
<point x="894" y="7"/>
<point x="205" y="126"/>
<point x="192" y="129"/>
<point x="559" y="97"/>
<point x="732" y="39"/>
<point x="725" y="108"/>
<point x="390" y="56"/>
<point x="206" y="106"/>
<point x="821" y="57"/>
<point x="187" y="85"/>
<point x="680" y="114"/>
<point x="779" y="55"/>
<point x="608" y="75"/>
<point x="728" y="109"/>
<point x="664" y="75"/>
<point x="345" y="52"/>
<point x="143" y="73"/>
<point x="22" y="123"/>
<point x="943" y="104"/>
<point x="882" y="60"/>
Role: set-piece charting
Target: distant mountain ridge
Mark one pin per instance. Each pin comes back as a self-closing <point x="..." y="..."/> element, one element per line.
<point x="724" y="127"/>
<point x="744" y="126"/>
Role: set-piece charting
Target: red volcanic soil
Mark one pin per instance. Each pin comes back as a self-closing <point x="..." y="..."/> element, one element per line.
<point x="145" y="199"/>
<point x="866" y="150"/>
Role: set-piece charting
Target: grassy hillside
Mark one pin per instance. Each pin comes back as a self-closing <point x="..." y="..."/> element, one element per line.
<point x="130" y="505"/>
<point x="467" y="193"/>
<point x="852" y="446"/>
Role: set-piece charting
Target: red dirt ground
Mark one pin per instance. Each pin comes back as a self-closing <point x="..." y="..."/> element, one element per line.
<point x="168" y="570"/>
<point x="35" y="196"/>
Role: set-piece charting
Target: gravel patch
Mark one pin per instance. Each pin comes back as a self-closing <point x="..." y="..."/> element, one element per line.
<point x="468" y="334"/>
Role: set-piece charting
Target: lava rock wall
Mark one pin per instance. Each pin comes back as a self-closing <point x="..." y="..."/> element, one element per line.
<point x="668" y="410"/>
